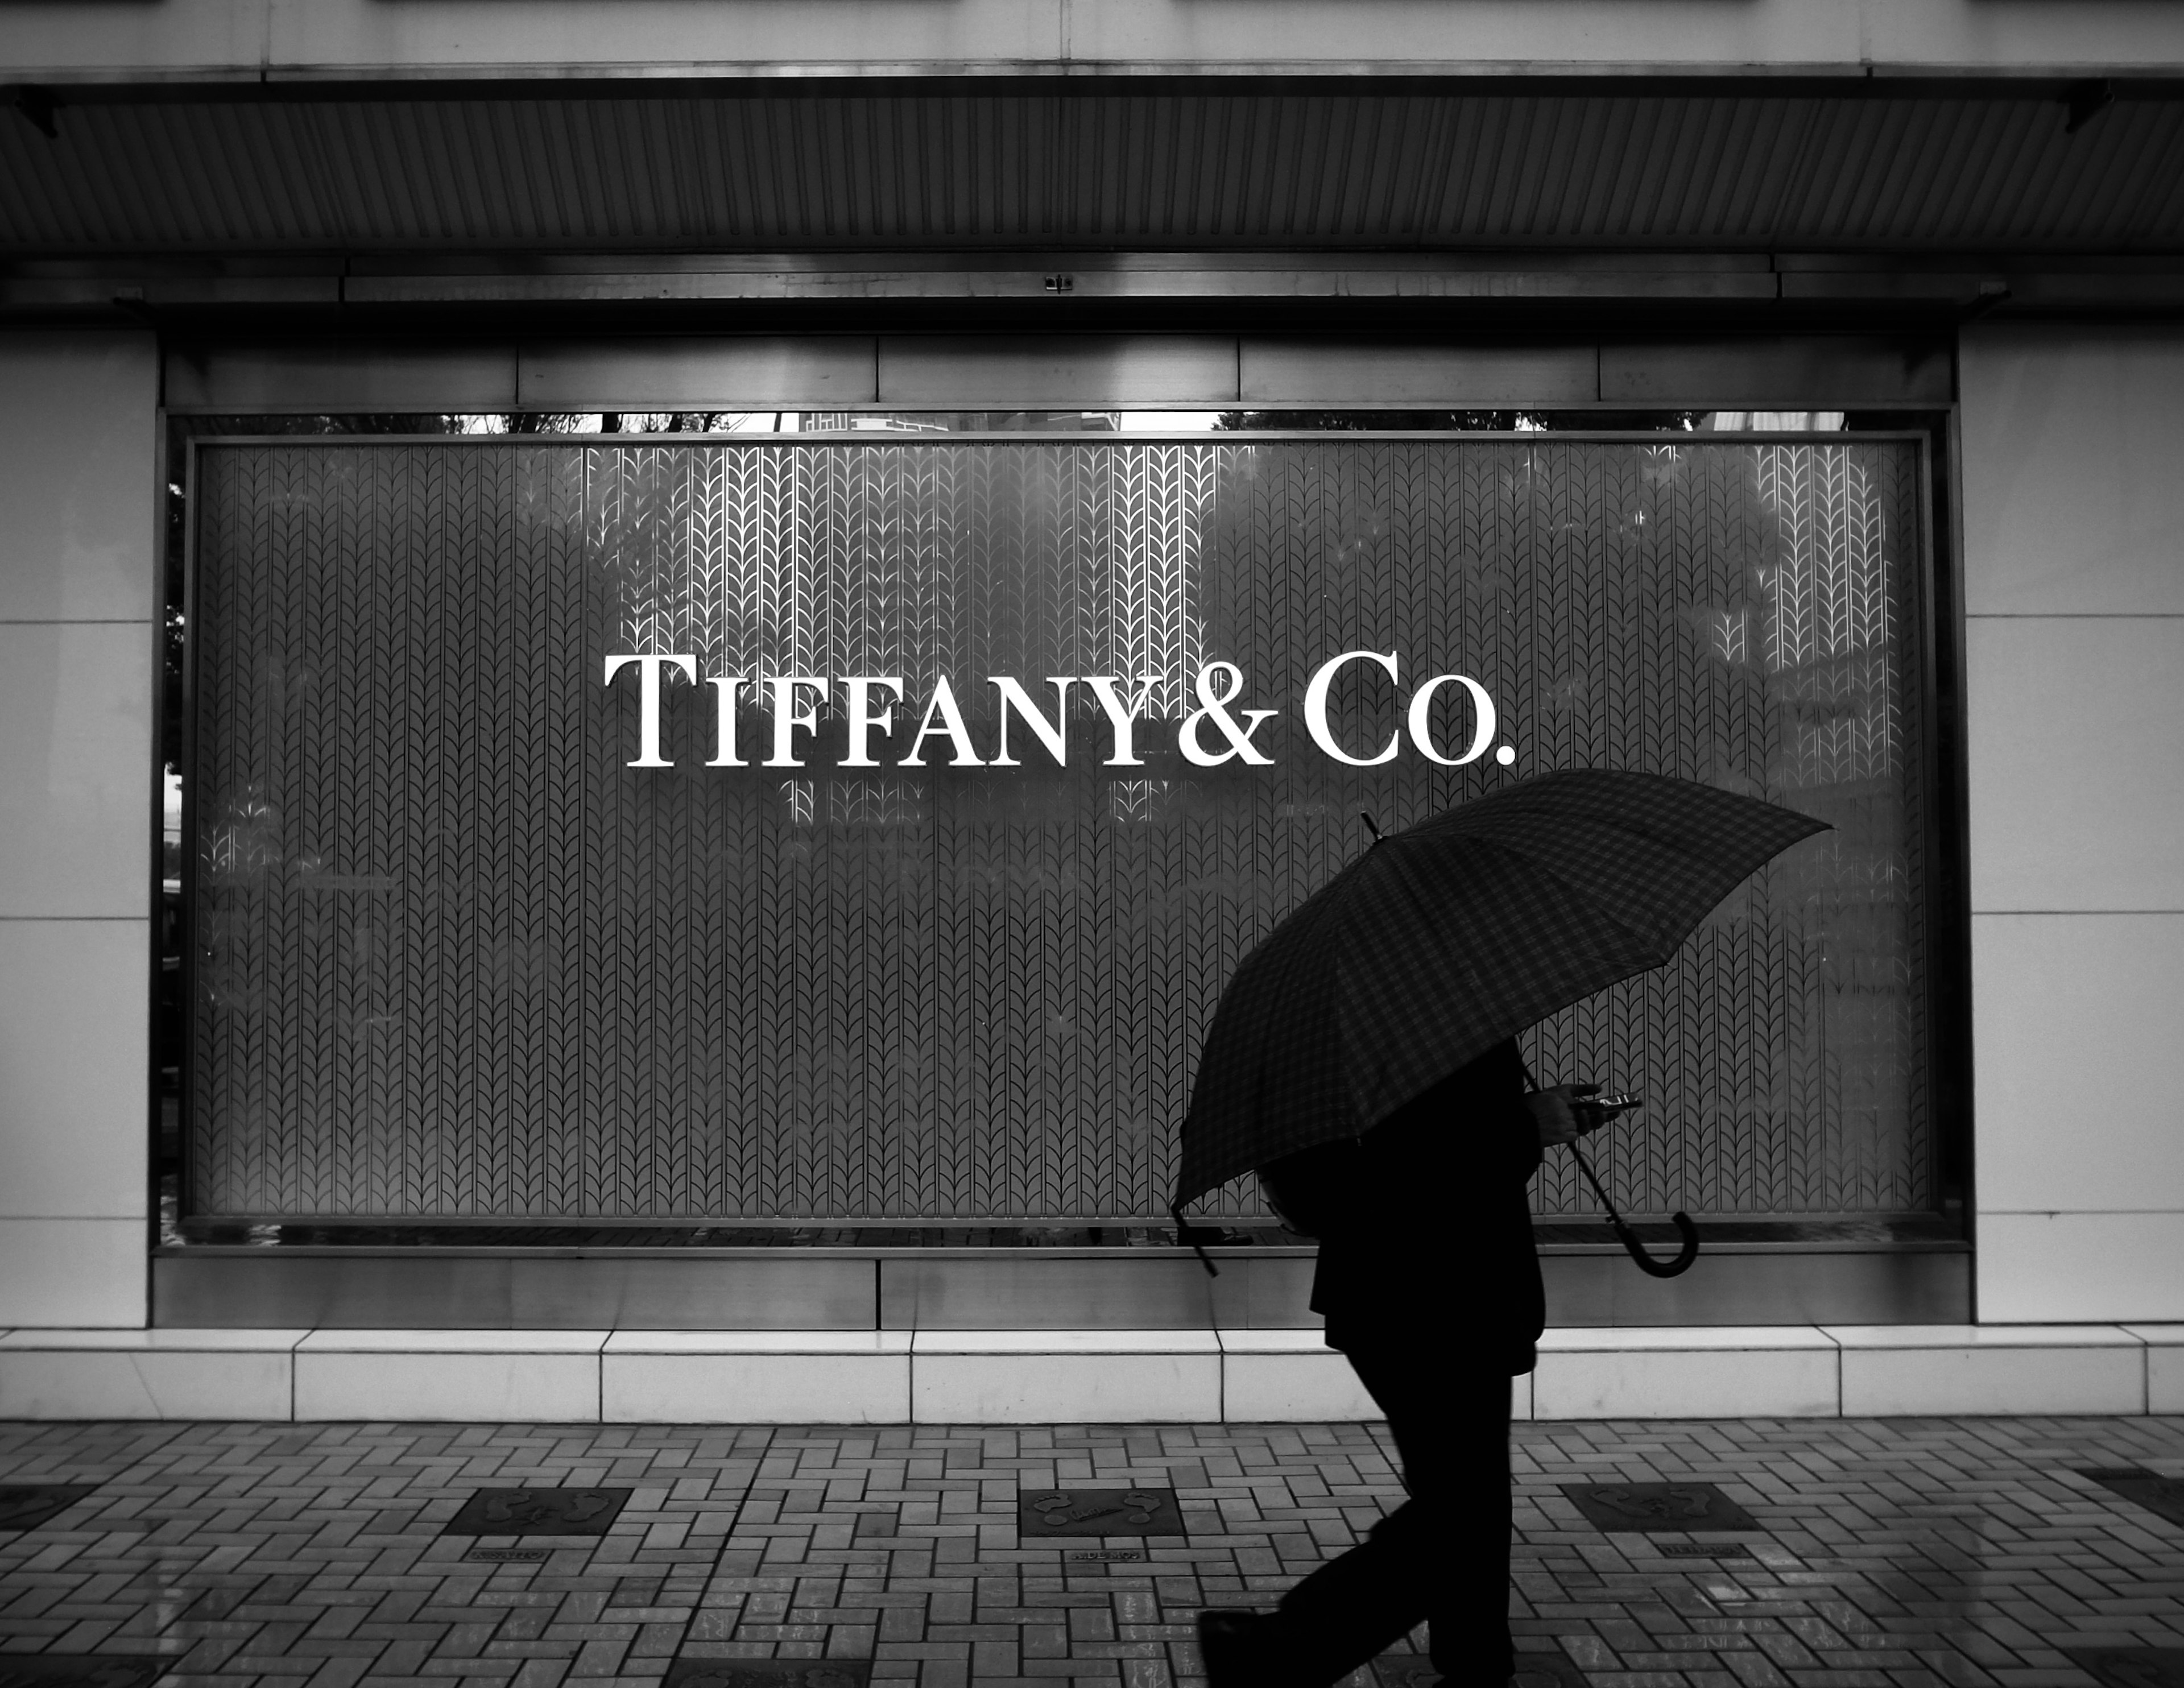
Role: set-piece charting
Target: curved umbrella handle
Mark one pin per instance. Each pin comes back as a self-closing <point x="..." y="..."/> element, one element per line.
<point x="1646" y="1263"/>
<point x="1636" y="1249"/>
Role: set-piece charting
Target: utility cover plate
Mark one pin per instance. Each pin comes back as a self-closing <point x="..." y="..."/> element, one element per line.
<point x="1099" y="1511"/>
<point x="25" y="1506"/>
<point x="2161" y="1495"/>
<point x="80" y="1670"/>
<point x="1655" y="1506"/>
<point x="769" y="1673"/>
<point x="1704" y="1550"/>
<point x="538" y="1511"/>
<point x="2133" y="1667"/>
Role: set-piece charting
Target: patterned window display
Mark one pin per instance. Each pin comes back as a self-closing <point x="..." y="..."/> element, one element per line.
<point x="454" y="957"/>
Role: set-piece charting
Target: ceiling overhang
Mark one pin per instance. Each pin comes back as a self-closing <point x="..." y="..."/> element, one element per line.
<point x="1962" y="170"/>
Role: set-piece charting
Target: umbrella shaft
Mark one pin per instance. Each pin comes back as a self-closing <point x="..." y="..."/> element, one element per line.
<point x="1586" y="1167"/>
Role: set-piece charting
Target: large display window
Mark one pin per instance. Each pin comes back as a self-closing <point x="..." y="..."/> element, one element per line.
<point x="862" y="827"/>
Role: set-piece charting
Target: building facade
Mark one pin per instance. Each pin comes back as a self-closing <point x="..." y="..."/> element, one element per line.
<point x="659" y="659"/>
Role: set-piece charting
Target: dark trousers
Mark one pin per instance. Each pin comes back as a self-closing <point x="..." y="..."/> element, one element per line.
<point x="1443" y="1556"/>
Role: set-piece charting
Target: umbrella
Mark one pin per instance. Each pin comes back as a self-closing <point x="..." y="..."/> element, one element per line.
<point x="1443" y="940"/>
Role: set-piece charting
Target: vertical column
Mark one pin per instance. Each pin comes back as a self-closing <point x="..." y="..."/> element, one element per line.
<point x="79" y="574"/>
<point x="2073" y="596"/>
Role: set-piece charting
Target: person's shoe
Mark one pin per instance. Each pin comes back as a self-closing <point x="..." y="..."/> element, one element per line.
<point x="1234" y="1647"/>
<point x="1264" y="1650"/>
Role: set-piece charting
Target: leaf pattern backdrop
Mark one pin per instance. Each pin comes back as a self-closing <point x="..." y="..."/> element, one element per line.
<point x="454" y="959"/>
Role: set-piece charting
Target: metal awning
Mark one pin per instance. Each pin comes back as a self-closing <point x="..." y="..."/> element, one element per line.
<point x="1622" y="169"/>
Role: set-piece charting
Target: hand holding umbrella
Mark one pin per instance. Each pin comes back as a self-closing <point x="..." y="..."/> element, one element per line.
<point x="1589" y="1110"/>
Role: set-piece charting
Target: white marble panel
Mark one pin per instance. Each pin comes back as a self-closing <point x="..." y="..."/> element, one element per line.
<point x="756" y="1378"/>
<point x="496" y="1339"/>
<point x="1092" y="370"/>
<point x="2064" y="1010"/>
<point x="1770" y="1371"/>
<point x="544" y="1377"/>
<point x="483" y="40"/>
<point x="2076" y="763"/>
<point x="2165" y="1365"/>
<point x="75" y="762"/>
<point x="2072" y="501"/>
<point x="79" y="476"/>
<point x="1288" y="1377"/>
<point x="2056" y="1267"/>
<point x="220" y="1375"/>
<point x="1891" y="1371"/>
<point x="752" y="372"/>
<point x="1069" y="1341"/>
<point x="74" y="1272"/>
<point x="161" y="1340"/>
<point x="1048" y="1377"/>
<point x="74" y="1143"/>
<point x="260" y="376"/>
<point x="850" y="1342"/>
<point x="1392" y="374"/>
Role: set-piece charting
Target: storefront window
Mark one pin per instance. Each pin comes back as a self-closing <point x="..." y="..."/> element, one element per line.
<point x="455" y="957"/>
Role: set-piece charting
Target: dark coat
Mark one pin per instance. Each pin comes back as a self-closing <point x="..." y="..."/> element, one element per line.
<point x="1424" y="1227"/>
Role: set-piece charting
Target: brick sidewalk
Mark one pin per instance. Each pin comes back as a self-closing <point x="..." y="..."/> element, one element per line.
<point x="1899" y="1551"/>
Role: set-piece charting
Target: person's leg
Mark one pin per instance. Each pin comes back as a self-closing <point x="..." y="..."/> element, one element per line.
<point x="1472" y="1519"/>
<point x="1443" y="1556"/>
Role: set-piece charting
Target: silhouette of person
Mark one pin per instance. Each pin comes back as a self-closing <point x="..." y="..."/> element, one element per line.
<point x="1430" y="1284"/>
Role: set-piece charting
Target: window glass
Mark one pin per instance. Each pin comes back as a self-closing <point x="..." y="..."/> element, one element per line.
<point x="456" y="956"/>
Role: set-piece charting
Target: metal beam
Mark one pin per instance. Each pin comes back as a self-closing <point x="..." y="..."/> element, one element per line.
<point x="1958" y="285"/>
<point x="1091" y="371"/>
<point x="66" y="42"/>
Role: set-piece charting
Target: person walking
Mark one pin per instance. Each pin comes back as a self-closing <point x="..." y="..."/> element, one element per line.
<point x="1430" y="1286"/>
<point x="1363" y="1060"/>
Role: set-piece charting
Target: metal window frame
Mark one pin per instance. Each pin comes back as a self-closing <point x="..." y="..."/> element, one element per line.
<point x="1942" y="1058"/>
<point x="1916" y="1282"/>
<point x="941" y="370"/>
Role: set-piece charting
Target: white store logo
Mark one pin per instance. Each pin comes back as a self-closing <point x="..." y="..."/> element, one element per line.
<point x="1208" y="736"/>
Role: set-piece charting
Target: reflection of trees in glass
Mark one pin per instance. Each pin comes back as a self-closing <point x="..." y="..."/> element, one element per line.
<point x="1829" y="635"/>
<point x="762" y="559"/>
<point x="1460" y="422"/>
<point x="181" y="431"/>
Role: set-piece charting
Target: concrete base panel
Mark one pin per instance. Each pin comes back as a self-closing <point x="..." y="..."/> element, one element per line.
<point x="174" y="1374"/>
<point x="1771" y="1371"/>
<point x="1917" y="1371"/>
<point x="468" y="1377"/>
<point x="729" y="1377"/>
<point x="1238" y="1376"/>
<point x="1046" y="1377"/>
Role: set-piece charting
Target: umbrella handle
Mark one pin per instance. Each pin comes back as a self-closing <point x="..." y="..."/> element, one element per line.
<point x="1636" y="1249"/>
<point x="1646" y="1263"/>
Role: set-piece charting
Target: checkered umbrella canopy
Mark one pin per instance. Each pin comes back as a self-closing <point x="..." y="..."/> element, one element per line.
<point x="1440" y="942"/>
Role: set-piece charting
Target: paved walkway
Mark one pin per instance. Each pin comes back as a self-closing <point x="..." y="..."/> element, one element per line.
<point x="1903" y="1551"/>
